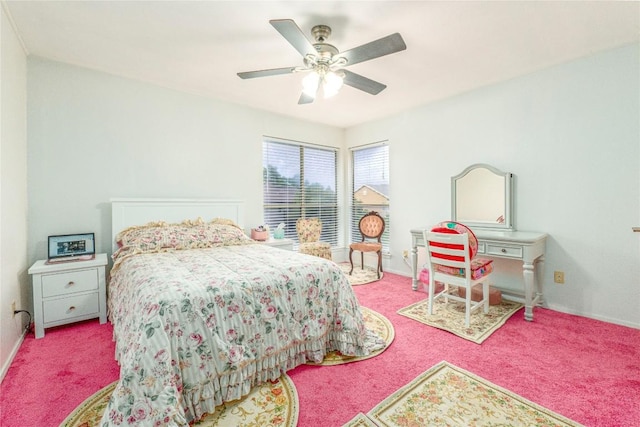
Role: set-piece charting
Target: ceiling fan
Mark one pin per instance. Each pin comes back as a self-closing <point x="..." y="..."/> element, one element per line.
<point x="325" y="63"/>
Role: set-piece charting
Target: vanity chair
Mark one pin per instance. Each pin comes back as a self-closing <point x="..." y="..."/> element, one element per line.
<point x="309" y="230"/>
<point x="451" y="249"/>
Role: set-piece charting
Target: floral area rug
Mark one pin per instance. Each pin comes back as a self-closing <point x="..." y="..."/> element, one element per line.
<point x="450" y="317"/>
<point x="360" y="276"/>
<point x="446" y="395"/>
<point x="271" y="403"/>
<point x="375" y="322"/>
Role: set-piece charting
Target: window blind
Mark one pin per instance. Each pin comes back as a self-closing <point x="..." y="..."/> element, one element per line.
<point x="300" y="181"/>
<point x="370" y="190"/>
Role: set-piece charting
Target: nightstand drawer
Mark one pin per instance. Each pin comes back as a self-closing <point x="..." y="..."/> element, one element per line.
<point x="67" y="308"/>
<point x="68" y="292"/>
<point x="69" y="282"/>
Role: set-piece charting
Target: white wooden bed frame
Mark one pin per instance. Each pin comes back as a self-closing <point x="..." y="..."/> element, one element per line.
<point x="128" y="212"/>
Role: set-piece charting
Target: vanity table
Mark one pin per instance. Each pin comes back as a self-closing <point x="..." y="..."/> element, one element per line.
<point x="482" y="198"/>
<point x="524" y="246"/>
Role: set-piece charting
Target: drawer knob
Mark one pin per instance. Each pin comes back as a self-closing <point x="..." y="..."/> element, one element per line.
<point x="73" y="307"/>
<point x="71" y="283"/>
<point x="504" y="251"/>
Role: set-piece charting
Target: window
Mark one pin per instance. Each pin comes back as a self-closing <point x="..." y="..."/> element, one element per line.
<point x="370" y="192"/>
<point x="300" y="182"/>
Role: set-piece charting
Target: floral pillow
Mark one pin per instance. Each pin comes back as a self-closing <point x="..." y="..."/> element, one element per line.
<point x="186" y="235"/>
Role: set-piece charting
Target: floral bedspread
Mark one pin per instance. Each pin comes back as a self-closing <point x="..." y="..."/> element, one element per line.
<point x="195" y="328"/>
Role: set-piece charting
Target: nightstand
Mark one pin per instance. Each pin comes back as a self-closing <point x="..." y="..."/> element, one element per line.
<point x="68" y="292"/>
<point x="286" y="244"/>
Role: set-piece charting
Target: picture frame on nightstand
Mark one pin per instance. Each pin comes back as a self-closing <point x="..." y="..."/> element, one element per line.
<point x="71" y="247"/>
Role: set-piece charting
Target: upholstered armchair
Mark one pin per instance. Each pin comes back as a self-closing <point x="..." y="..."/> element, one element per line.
<point x="309" y="230"/>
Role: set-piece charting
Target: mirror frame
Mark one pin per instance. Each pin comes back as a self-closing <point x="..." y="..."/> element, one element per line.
<point x="509" y="211"/>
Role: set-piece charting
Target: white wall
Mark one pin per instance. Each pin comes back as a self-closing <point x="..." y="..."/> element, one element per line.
<point x="14" y="282"/>
<point x="94" y="136"/>
<point x="571" y="135"/>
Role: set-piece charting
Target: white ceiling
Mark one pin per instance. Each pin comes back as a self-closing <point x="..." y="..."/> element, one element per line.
<point x="199" y="46"/>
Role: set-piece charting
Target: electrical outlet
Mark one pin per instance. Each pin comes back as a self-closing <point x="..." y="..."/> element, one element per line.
<point x="13" y="309"/>
<point x="405" y="254"/>
<point x="558" y="276"/>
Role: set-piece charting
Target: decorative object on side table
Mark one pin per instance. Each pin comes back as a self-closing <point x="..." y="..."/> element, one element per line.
<point x="278" y="233"/>
<point x="68" y="292"/>
<point x="260" y="233"/>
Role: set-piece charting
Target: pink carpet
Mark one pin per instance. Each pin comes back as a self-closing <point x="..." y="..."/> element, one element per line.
<point x="584" y="369"/>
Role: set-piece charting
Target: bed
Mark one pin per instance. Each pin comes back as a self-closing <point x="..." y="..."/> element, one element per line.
<point x="201" y="313"/>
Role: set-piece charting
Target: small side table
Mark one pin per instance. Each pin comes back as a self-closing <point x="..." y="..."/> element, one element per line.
<point x="68" y="292"/>
<point x="286" y="244"/>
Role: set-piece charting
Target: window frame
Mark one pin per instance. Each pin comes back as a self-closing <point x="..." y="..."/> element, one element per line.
<point x="354" y="217"/>
<point x="329" y="213"/>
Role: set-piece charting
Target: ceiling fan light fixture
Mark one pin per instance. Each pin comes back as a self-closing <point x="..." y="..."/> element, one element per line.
<point x="331" y="84"/>
<point x="310" y="84"/>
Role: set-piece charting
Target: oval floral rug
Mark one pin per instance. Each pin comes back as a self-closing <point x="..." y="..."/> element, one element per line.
<point x="375" y="322"/>
<point x="270" y="403"/>
<point x="360" y="276"/>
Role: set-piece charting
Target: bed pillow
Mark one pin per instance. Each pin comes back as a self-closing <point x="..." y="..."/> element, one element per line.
<point x="189" y="234"/>
<point x="456" y="228"/>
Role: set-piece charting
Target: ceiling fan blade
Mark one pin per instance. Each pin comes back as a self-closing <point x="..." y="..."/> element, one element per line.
<point x="266" y="73"/>
<point x="305" y="99"/>
<point x="360" y="82"/>
<point x="294" y="35"/>
<point x="375" y="49"/>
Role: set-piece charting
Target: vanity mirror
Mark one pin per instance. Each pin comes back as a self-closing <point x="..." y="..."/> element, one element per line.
<point x="482" y="197"/>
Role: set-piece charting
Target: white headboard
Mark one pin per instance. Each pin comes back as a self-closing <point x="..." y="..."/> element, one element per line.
<point x="128" y="212"/>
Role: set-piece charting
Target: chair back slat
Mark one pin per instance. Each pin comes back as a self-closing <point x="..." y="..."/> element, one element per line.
<point x="451" y="250"/>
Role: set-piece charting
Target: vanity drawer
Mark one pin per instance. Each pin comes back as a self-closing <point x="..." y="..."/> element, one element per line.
<point x="55" y="310"/>
<point x="69" y="282"/>
<point x="482" y="248"/>
<point x="504" y="251"/>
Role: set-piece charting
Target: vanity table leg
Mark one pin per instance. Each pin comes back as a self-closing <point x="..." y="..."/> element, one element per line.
<point x="539" y="278"/>
<point x="414" y="267"/>
<point x="529" y="283"/>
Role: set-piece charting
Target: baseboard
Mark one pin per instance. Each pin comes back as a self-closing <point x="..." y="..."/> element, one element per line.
<point x="562" y="309"/>
<point x="399" y="273"/>
<point x="12" y="355"/>
<point x="558" y="308"/>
